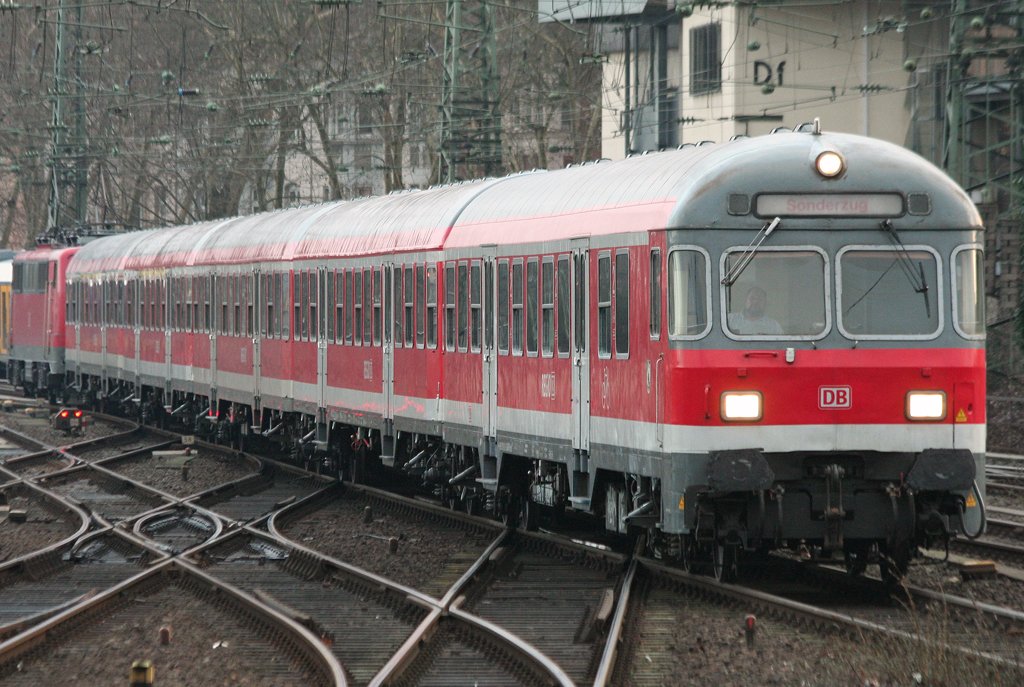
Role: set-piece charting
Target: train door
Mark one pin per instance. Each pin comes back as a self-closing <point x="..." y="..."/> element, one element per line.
<point x="217" y="316"/>
<point x="490" y="357"/>
<point x="580" y="356"/>
<point x="135" y="286"/>
<point x="319" y="293"/>
<point x="48" y="308"/>
<point x="257" y="327"/>
<point x="167" y="309"/>
<point x="387" y="353"/>
<point x="104" y="294"/>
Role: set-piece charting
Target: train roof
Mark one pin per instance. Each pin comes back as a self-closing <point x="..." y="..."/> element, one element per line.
<point x="685" y="188"/>
<point x="45" y="253"/>
<point x="690" y="188"/>
<point x="402" y="222"/>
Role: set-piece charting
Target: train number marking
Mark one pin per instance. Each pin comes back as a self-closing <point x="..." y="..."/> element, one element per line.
<point x="547" y="385"/>
<point x="368" y="370"/>
<point x="835" y="397"/>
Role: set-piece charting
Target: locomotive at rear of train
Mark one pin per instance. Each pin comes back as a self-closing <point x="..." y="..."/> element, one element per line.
<point x="763" y="343"/>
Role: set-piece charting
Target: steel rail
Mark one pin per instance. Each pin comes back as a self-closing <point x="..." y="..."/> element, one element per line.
<point x="82" y="529"/>
<point x="519" y="646"/>
<point x="816" y="615"/>
<point x="606" y="666"/>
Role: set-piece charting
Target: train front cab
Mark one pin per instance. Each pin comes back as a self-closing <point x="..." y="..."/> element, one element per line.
<point x="6" y="275"/>
<point x="826" y="392"/>
<point x="37" y="343"/>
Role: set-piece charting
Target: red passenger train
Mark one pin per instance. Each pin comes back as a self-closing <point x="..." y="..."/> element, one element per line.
<point x="768" y="342"/>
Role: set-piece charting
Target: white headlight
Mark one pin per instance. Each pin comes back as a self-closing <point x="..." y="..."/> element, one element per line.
<point x="829" y="164"/>
<point x="741" y="405"/>
<point x="926" y="405"/>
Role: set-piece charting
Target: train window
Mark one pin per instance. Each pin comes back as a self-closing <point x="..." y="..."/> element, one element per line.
<point x="222" y="288"/>
<point x="388" y="282"/>
<point x="194" y="304"/>
<point x="503" y="307"/>
<point x="969" y="292"/>
<point x="376" y="306"/>
<point x="431" y="306"/>
<point x="449" y="307"/>
<point x="208" y="303"/>
<point x="421" y="306"/>
<point x="329" y="304"/>
<point x="622" y="304"/>
<point x="475" y="316"/>
<point x="489" y="305"/>
<point x="517" y="308"/>
<point x="357" y="309"/>
<point x="399" y="298"/>
<point x="407" y="306"/>
<point x="463" y="310"/>
<point x="250" y="288"/>
<point x="781" y="294"/>
<point x="349" y="304"/>
<point x="547" y="305"/>
<point x="655" y="295"/>
<point x="604" y="306"/>
<point x="162" y="294"/>
<point x="688" y="294"/>
<point x="268" y="306"/>
<point x="563" y="305"/>
<point x="532" y="286"/>
<point x="314" y="332"/>
<point x="889" y="293"/>
<point x="367" y="304"/>
<point x="580" y="290"/>
<point x="307" y="288"/>
<point x="339" y="306"/>
<point x="236" y="299"/>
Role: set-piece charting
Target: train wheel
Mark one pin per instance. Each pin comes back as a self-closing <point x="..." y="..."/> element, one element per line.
<point x="856" y="559"/>
<point x="529" y="514"/>
<point x="687" y="551"/>
<point x="893" y="564"/>
<point x="470" y="503"/>
<point x="512" y="511"/>
<point x="726" y="561"/>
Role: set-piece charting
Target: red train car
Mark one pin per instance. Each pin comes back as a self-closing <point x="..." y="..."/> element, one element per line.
<point x="37" y="339"/>
<point x="680" y="342"/>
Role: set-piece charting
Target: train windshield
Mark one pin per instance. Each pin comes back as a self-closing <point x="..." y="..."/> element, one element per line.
<point x="780" y="294"/>
<point x="886" y="293"/>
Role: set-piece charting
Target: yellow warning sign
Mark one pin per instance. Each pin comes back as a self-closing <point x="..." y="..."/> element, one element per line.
<point x="682" y="503"/>
<point x="971" y="501"/>
<point x="961" y="416"/>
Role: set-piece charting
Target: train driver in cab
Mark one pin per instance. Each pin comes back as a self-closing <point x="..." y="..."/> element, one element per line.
<point x="752" y="319"/>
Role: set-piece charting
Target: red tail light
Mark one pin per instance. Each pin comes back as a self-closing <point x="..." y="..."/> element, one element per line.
<point x="63" y="413"/>
<point x="78" y="413"/>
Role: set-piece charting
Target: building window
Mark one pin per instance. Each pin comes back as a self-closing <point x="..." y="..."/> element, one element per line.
<point x="705" y="59"/>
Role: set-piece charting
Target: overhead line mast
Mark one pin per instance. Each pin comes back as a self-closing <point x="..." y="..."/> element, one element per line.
<point x="470" y="117"/>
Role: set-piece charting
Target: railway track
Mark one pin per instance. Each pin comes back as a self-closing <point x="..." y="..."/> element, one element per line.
<point x="399" y="591"/>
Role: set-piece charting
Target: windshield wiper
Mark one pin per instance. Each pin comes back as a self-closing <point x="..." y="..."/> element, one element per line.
<point x="749" y="252"/>
<point x="917" y="281"/>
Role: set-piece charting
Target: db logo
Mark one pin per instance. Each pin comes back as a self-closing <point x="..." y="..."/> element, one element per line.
<point x="832" y="397"/>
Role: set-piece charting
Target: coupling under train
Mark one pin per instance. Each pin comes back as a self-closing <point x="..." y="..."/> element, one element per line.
<point x="775" y="341"/>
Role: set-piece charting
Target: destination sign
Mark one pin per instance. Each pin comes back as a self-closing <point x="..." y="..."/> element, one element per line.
<point x="829" y="205"/>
